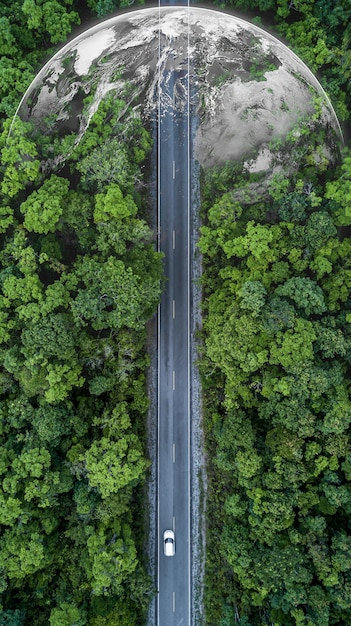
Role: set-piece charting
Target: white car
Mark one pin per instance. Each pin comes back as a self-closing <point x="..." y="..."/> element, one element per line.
<point x="169" y="543"/>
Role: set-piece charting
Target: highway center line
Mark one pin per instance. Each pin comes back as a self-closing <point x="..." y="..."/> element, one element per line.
<point x="173" y="523"/>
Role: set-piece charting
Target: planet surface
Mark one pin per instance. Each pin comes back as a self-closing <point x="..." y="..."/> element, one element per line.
<point x="254" y="101"/>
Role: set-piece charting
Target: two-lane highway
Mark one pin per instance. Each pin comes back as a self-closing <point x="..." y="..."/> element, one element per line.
<point x="174" y="573"/>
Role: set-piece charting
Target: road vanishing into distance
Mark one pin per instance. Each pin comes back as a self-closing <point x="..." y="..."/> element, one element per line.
<point x="173" y="606"/>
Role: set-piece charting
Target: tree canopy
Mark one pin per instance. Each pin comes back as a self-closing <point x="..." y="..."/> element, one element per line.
<point x="79" y="281"/>
<point x="275" y="367"/>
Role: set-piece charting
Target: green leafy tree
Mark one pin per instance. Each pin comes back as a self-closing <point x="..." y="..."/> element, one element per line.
<point x="19" y="155"/>
<point x="67" y="614"/>
<point x="112" y="295"/>
<point x="113" y="465"/>
<point x="339" y="191"/>
<point x="43" y="209"/>
<point x="112" y="562"/>
<point x="51" y="17"/>
<point x="305" y="294"/>
<point x="107" y="164"/>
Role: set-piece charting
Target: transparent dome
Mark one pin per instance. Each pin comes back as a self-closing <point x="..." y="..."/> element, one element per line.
<point x="254" y="101"/>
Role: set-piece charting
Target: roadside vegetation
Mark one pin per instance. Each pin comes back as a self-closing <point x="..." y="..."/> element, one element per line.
<point x="276" y="366"/>
<point x="77" y="287"/>
<point x="275" y="373"/>
<point x="79" y="280"/>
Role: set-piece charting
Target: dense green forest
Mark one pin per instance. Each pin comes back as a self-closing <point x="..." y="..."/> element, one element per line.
<point x="78" y="286"/>
<point x="79" y="279"/>
<point x="276" y="365"/>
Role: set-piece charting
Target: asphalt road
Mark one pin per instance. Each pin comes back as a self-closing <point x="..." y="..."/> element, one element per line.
<point x="174" y="573"/>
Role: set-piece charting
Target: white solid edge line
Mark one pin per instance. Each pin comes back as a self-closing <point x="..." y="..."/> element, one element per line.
<point x="189" y="196"/>
<point x="158" y="322"/>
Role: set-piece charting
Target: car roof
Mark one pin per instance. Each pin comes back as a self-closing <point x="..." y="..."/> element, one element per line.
<point x="169" y="542"/>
